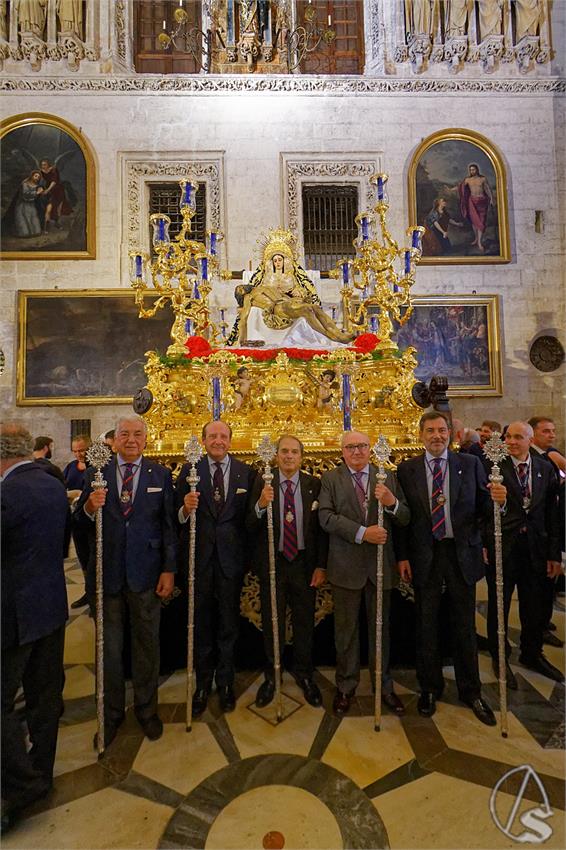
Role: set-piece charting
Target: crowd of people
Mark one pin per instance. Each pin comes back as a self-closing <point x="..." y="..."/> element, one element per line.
<point x="437" y="532"/>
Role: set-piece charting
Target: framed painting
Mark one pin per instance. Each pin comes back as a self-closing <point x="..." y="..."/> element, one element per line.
<point x="456" y="336"/>
<point x="84" y="347"/>
<point x="47" y="180"/>
<point x="458" y="193"/>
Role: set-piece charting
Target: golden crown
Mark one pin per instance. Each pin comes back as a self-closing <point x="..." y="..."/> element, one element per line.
<point x="279" y="241"/>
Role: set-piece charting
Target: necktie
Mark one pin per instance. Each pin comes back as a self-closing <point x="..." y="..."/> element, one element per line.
<point x="523" y="472"/>
<point x="290" y="544"/>
<point x="127" y="494"/>
<point x="438" y="517"/>
<point x="218" y="487"/>
<point x="360" y="490"/>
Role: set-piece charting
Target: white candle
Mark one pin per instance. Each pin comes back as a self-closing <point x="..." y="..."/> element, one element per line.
<point x="330" y="20"/>
<point x="164" y="25"/>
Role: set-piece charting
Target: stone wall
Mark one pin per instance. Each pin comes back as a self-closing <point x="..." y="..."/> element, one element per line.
<point x="249" y="132"/>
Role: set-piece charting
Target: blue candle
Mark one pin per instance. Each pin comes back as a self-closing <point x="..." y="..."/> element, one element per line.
<point x="216" y="405"/>
<point x="373" y="324"/>
<point x="346" y="408"/>
<point x="416" y="240"/>
<point x="139" y="265"/>
<point x="213" y="244"/>
<point x="188" y="327"/>
<point x="380" y="188"/>
<point x="365" y="229"/>
<point x="196" y="294"/>
<point x="345" y="273"/>
<point x="230" y="20"/>
<point x="161" y="225"/>
<point x="187" y="194"/>
<point x="204" y="268"/>
<point x="407" y="262"/>
<point x="395" y="288"/>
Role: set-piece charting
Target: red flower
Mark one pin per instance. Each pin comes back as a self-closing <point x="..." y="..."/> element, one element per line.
<point x="366" y="342"/>
<point x="263" y="354"/>
<point x="197" y="346"/>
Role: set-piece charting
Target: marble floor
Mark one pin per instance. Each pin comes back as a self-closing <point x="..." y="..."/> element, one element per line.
<point x="313" y="781"/>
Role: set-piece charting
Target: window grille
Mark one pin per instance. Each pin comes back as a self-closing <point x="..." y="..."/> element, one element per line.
<point x="328" y="224"/>
<point x="164" y="198"/>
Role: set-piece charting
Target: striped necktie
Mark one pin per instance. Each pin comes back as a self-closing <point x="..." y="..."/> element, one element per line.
<point x="437" y="509"/>
<point x="127" y="494"/>
<point x="290" y="543"/>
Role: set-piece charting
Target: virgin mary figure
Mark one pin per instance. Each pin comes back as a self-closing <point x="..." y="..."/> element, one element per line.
<point x="280" y="305"/>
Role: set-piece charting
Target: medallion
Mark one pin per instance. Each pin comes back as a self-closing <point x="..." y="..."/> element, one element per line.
<point x="441" y="499"/>
<point x="526" y="503"/>
<point x="125" y="496"/>
<point x="217" y="497"/>
<point x="289" y="516"/>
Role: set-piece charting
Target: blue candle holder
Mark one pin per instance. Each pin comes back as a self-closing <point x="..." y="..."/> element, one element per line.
<point x="139" y="265"/>
<point x="365" y="229"/>
<point x="216" y="401"/>
<point x="346" y="402"/>
<point x="345" y="273"/>
<point x="196" y="292"/>
<point x="204" y="268"/>
<point x="189" y="327"/>
<point x="212" y="243"/>
<point x="407" y="262"/>
<point x="373" y="324"/>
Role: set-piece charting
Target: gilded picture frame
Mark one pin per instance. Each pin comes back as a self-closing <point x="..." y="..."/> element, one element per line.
<point x="84" y="346"/>
<point x="457" y="189"/>
<point x="48" y="183"/>
<point x="457" y="336"/>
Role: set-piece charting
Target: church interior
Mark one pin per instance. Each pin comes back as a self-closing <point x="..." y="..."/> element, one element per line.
<point x="406" y="160"/>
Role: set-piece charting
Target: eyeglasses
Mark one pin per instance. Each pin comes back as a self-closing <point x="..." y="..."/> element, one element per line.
<point x="353" y="447"/>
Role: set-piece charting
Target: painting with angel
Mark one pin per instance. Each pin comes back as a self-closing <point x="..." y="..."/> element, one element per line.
<point x="47" y="190"/>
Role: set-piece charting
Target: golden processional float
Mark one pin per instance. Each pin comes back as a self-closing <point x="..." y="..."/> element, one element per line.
<point x="285" y="366"/>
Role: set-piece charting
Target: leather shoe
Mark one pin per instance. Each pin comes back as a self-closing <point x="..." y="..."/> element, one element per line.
<point x="80" y="603"/>
<point x="200" y="701"/>
<point x="482" y="711"/>
<point x="265" y="693"/>
<point x="393" y="702"/>
<point x="341" y="703"/>
<point x="509" y="675"/>
<point x="426" y="706"/>
<point x="552" y="640"/>
<point x="227" y="698"/>
<point x="542" y="665"/>
<point x="152" y="727"/>
<point x="311" y="691"/>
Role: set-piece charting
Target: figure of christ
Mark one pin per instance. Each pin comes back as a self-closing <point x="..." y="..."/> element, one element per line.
<point x="475" y="200"/>
<point x="279" y="295"/>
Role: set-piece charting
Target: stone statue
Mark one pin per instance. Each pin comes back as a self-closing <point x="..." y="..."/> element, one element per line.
<point x="457" y="16"/>
<point x="70" y="14"/>
<point x="282" y="290"/>
<point x="490" y="18"/>
<point x="418" y="16"/>
<point x="528" y="17"/>
<point x="31" y="16"/>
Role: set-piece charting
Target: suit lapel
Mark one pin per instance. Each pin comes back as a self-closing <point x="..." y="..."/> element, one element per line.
<point x="372" y="501"/>
<point x="455" y="481"/>
<point x="307" y="498"/>
<point x="537" y="481"/>
<point x="111" y="475"/>
<point x="512" y="481"/>
<point x="205" y="484"/>
<point x="419" y="472"/>
<point x="234" y="479"/>
<point x="276" y="505"/>
<point x="143" y="483"/>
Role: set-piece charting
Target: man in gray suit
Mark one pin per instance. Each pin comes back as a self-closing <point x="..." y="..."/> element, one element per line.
<point x="348" y="513"/>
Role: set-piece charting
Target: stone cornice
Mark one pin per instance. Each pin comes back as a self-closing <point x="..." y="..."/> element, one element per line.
<point x="308" y="85"/>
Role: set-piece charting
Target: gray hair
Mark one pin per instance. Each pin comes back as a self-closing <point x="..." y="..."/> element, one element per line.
<point x="130" y="417"/>
<point x="15" y="441"/>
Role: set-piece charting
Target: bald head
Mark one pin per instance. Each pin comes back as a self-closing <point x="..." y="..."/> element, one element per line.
<point x="518" y="439"/>
<point x="355" y="449"/>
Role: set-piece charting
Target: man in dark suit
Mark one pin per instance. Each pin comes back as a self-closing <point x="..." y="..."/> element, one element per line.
<point x="42" y="454"/>
<point x="531" y="548"/>
<point x="348" y="513"/>
<point x="300" y="561"/>
<point x="74" y="475"/>
<point x="442" y="547"/>
<point x="140" y="549"/>
<point x="34" y="611"/>
<point x="221" y="503"/>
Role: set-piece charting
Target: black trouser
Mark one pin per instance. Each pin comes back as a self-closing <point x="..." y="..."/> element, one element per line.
<point x="82" y="545"/>
<point x="217" y="622"/>
<point x="462" y="601"/>
<point x="532" y="589"/>
<point x="293" y="587"/>
<point x="38" y="666"/>
<point x="145" y="613"/>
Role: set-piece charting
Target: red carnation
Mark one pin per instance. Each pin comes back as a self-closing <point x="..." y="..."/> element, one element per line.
<point x="366" y="342"/>
<point x="198" y="346"/>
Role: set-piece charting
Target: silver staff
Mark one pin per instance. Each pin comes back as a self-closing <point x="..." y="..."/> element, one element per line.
<point x="98" y="455"/>
<point x="265" y="452"/>
<point x="381" y="453"/>
<point x="495" y="450"/>
<point x="193" y="453"/>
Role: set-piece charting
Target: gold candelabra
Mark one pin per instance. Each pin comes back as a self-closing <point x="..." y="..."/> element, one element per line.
<point x="376" y="284"/>
<point x="181" y="273"/>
